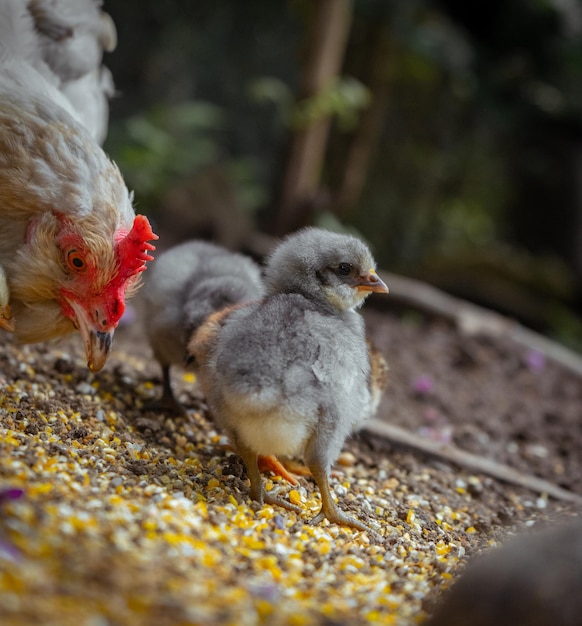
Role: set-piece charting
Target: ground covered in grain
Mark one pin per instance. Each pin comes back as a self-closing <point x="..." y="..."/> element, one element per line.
<point x="116" y="515"/>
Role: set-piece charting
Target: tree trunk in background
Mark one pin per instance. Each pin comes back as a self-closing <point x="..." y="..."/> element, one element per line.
<point x="328" y="34"/>
<point x="368" y="133"/>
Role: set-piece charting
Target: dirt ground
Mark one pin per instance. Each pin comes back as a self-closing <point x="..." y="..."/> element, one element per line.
<point x="109" y="453"/>
<point x="484" y="394"/>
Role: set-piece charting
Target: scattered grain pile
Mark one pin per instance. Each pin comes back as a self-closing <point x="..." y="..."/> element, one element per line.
<point x="134" y="518"/>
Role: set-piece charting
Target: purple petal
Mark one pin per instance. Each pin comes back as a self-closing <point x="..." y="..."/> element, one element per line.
<point x="423" y="385"/>
<point x="535" y="360"/>
<point x="265" y="591"/>
<point x="442" y="435"/>
<point x="11" y="493"/>
<point x="8" y="551"/>
<point x="279" y="522"/>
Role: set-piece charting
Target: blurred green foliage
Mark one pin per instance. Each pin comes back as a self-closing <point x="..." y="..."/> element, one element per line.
<point x="167" y="144"/>
<point x="475" y="157"/>
<point x="344" y="99"/>
<point x="154" y="148"/>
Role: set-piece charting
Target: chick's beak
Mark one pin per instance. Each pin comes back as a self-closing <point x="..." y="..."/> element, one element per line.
<point x="97" y="340"/>
<point x="371" y="282"/>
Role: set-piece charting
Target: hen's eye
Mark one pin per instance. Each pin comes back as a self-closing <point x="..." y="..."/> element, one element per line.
<point x="75" y="261"/>
<point x="344" y="269"/>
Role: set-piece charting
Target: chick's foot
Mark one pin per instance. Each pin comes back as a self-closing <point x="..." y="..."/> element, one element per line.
<point x="271" y="463"/>
<point x="168" y="402"/>
<point x="276" y="501"/>
<point x="336" y="516"/>
<point x="257" y="491"/>
<point x="329" y="508"/>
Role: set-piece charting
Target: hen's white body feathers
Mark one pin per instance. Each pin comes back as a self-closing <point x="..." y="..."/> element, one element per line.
<point x="64" y="207"/>
<point x="54" y="49"/>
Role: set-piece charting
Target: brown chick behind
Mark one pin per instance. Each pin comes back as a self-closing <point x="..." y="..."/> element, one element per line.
<point x="188" y="283"/>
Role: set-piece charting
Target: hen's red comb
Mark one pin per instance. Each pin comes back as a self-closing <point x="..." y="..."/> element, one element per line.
<point x="132" y="249"/>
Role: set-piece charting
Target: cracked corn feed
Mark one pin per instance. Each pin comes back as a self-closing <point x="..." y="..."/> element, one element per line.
<point x="131" y="518"/>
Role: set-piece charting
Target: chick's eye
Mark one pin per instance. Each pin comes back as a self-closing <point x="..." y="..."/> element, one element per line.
<point x="75" y="261"/>
<point x="344" y="269"/>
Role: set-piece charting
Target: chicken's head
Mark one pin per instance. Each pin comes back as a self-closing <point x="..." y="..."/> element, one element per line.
<point x="87" y="274"/>
<point x="94" y="297"/>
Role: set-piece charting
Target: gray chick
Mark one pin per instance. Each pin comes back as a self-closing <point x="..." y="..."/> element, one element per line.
<point x="188" y="283"/>
<point x="289" y="375"/>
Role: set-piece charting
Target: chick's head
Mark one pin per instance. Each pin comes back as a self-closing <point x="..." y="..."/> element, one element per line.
<point x="330" y="268"/>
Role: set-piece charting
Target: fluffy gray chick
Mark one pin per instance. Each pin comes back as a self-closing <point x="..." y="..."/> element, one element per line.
<point x="189" y="282"/>
<point x="289" y="375"/>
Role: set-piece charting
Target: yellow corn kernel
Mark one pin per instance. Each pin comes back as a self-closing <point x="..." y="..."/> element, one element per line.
<point x="295" y="497"/>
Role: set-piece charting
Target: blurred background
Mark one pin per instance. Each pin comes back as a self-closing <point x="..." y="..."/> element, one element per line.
<point x="446" y="133"/>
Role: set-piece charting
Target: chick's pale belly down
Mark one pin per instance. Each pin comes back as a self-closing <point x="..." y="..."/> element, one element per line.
<point x="270" y="428"/>
<point x="295" y="383"/>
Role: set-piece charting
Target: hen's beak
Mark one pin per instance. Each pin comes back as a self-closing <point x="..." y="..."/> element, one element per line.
<point x="371" y="282"/>
<point x="97" y="342"/>
<point x="97" y="348"/>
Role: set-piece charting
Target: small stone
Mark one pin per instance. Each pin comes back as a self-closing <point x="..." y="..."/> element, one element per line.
<point x="85" y="389"/>
<point x="346" y="459"/>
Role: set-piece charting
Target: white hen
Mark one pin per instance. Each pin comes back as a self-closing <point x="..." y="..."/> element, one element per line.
<point x="71" y="246"/>
<point x="64" y="41"/>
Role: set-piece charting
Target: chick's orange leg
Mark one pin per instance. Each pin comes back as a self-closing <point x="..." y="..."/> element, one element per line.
<point x="297" y="468"/>
<point x="271" y="463"/>
<point x="258" y="493"/>
<point x="289" y="469"/>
